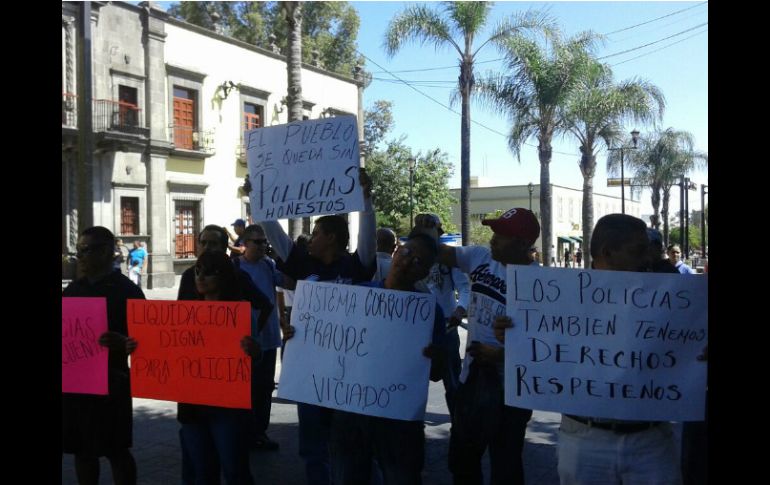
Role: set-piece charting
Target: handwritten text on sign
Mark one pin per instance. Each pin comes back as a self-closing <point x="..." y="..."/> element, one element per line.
<point x="83" y="360"/>
<point x="359" y="349"/>
<point x="189" y="351"/>
<point x="304" y="168"/>
<point x="606" y="344"/>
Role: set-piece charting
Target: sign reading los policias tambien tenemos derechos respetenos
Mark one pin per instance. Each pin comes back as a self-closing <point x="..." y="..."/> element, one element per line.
<point x="606" y="344"/>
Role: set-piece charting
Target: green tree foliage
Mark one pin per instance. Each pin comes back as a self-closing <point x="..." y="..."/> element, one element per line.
<point x="389" y="170"/>
<point x="534" y="92"/>
<point x="378" y="122"/>
<point x="693" y="237"/>
<point x="331" y="28"/>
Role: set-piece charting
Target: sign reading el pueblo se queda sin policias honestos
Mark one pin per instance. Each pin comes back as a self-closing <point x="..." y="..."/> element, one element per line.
<point x="359" y="349"/>
<point x="606" y="344"/>
<point x="304" y="168"/>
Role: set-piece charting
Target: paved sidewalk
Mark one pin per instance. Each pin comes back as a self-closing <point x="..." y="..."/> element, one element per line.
<point x="158" y="456"/>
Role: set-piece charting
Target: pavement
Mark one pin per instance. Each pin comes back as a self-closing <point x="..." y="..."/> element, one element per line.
<point x="158" y="456"/>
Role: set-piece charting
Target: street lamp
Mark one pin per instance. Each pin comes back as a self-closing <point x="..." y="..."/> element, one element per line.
<point x="635" y="139"/>
<point x="531" y="189"/>
<point x="703" y="193"/>
<point x="411" y="162"/>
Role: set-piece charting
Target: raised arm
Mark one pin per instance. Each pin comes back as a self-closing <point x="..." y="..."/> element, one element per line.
<point x="281" y="242"/>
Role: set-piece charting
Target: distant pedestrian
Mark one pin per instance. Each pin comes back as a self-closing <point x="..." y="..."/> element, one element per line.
<point x="136" y="257"/>
<point x="675" y="256"/>
<point x="567" y="258"/>
<point x="578" y="258"/>
<point x="121" y="256"/>
<point x="237" y="248"/>
<point x="386" y="244"/>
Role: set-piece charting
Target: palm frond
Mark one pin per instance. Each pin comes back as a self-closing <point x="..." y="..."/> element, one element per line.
<point x="418" y="24"/>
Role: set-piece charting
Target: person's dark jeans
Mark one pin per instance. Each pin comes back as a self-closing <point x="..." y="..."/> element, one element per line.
<point x="398" y="446"/>
<point x="314" y="428"/>
<point x="262" y="387"/>
<point x="454" y="366"/>
<point x="217" y="434"/>
<point x="481" y="420"/>
<point x="695" y="451"/>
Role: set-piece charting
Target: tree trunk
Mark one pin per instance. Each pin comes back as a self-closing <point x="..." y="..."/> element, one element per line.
<point x="466" y="82"/>
<point x="664" y="213"/>
<point x="588" y="168"/>
<point x="293" y="12"/>
<point x="655" y="200"/>
<point x="546" y="226"/>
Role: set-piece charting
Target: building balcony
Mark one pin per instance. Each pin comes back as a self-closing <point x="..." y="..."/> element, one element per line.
<point x="118" y="116"/>
<point x="192" y="141"/>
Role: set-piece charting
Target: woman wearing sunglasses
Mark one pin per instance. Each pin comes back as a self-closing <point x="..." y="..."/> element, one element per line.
<point x="212" y="437"/>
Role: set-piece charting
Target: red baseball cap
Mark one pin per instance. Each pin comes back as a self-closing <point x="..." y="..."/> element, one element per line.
<point x="517" y="222"/>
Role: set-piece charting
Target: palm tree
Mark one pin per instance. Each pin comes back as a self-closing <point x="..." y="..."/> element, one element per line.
<point x="457" y="28"/>
<point x="293" y="12"/>
<point x="534" y="95"/>
<point x="595" y="113"/>
<point x="662" y="159"/>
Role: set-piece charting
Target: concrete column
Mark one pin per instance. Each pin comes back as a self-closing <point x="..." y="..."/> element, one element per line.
<point x="160" y="269"/>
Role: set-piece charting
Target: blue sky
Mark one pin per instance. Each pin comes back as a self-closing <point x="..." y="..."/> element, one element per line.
<point x="679" y="70"/>
<point x="676" y="61"/>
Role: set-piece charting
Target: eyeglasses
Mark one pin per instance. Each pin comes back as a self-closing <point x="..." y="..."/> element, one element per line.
<point x="256" y="241"/>
<point x="409" y="253"/>
<point x="89" y="248"/>
<point x="203" y="273"/>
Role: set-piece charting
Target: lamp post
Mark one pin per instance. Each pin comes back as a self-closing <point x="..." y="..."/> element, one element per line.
<point x="703" y="193"/>
<point x="411" y="162"/>
<point x="531" y="189"/>
<point x="635" y="140"/>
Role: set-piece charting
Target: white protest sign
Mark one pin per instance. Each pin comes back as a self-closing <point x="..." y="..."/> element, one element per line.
<point x="304" y="168"/>
<point x="359" y="349"/>
<point x="607" y="344"/>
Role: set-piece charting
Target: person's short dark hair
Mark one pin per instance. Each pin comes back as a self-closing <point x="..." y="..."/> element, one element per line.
<point x="302" y="240"/>
<point x="613" y="231"/>
<point x="222" y="233"/>
<point x="672" y="246"/>
<point x="101" y="235"/>
<point x="336" y="225"/>
<point x="426" y="241"/>
<point x="254" y="228"/>
<point x="386" y="239"/>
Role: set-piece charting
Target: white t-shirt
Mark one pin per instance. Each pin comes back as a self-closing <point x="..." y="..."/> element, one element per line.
<point x="488" y="289"/>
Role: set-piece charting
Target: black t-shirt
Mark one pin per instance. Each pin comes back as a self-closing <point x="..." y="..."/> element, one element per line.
<point x="348" y="269"/>
<point x="116" y="288"/>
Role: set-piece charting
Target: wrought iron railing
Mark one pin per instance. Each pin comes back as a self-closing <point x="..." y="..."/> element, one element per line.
<point x="112" y="115"/>
<point x="189" y="138"/>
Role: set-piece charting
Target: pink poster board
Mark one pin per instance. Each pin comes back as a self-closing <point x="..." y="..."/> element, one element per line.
<point x="83" y="360"/>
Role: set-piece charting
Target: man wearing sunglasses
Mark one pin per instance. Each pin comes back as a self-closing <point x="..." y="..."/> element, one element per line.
<point x="443" y="281"/>
<point x="481" y="420"/>
<point x="263" y="273"/>
<point x="94" y="426"/>
<point x="397" y="445"/>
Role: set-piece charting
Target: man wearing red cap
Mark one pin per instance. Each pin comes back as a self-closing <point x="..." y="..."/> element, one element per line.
<point x="480" y="418"/>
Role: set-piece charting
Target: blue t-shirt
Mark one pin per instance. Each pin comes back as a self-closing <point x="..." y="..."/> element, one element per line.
<point x="265" y="277"/>
<point x="137" y="255"/>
